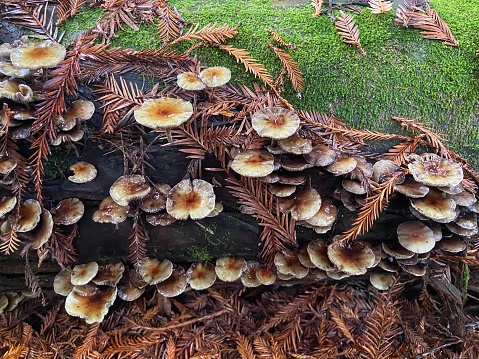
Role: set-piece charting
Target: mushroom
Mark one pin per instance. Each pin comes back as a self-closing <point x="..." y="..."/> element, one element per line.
<point x="275" y="122"/>
<point x="83" y="172"/>
<point x="7" y="69"/>
<point x="396" y="251"/>
<point x="160" y="219"/>
<point x="154" y="271"/>
<point x="433" y="170"/>
<point x="74" y="135"/>
<point x="249" y="278"/>
<point x="7" y="204"/>
<point x="16" y="91"/>
<point x="435" y="205"/>
<point x="416" y="237"/>
<point x="109" y="274"/>
<point x="452" y="244"/>
<point x="296" y="145"/>
<point x="325" y="216"/>
<point x="68" y="211"/>
<point x="464" y="198"/>
<point x="229" y="269"/>
<point x="80" y="110"/>
<point x="42" y="232"/>
<point x="412" y="189"/>
<point x="264" y="275"/>
<point x="83" y="273"/>
<point x="3" y="303"/>
<point x="189" y="81"/>
<point x="128" y="291"/>
<point x="253" y="163"/>
<point x="321" y="155"/>
<point x="318" y="253"/>
<point x="352" y="258"/>
<point x="35" y="55"/>
<point x="201" y="275"/>
<point x="129" y="187"/>
<point x="110" y="212"/>
<point x="90" y="302"/>
<point x="294" y="164"/>
<point x="174" y="285"/>
<point x="216" y="211"/>
<point x="27" y="216"/>
<point x="62" y="283"/>
<point x="342" y="166"/>
<point x="215" y="76"/>
<point x="303" y="204"/>
<point x="281" y="190"/>
<point x="288" y="263"/>
<point x="354" y="186"/>
<point x="381" y="281"/>
<point x="163" y="113"/>
<point x="155" y="201"/>
<point x="195" y="199"/>
<point x="13" y="300"/>
<point x="7" y="165"/>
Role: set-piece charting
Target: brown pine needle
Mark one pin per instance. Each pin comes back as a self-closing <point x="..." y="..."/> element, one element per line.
<point x="348" y="30"/>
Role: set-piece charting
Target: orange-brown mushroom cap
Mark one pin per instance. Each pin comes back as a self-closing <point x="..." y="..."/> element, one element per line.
<point x="432" y="170"/>
<point x="189" y="81"/>
<point x="229" y="269"/>
<point x="201" y="275"/>
<point x="154" y="271"/>
<point x="353" y="258"/>
<point x="195" y="199"/>
<point x="162" y="113"/>
<point x="35" y="55"/>
<point x="68" y="211"/>
<point x="253" y="163"/>
<point x="275" y="122"/>
<point x="110" y="212"/>
<point x="83" y="273"/>
<point x="215" y="76"/>
<point x="129" y="187"/>
<point x="174" y="285"/>
<point x="416" y="237"/>
<point x="83" y="172"/>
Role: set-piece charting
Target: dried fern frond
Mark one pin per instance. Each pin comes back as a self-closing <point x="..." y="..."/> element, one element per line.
<point x="9" y="242"/>
<point x="348" y="30"/>
<point x="368" y="213"/>
<point x="292" y="68"/>
<point x="317" y="4"/>
<point x="380" y="6"/>
<point x="276" y="37"/>
<point x="138" y="238"/>
<point x="398" y="153"/>
<point x="68" y="8"/>
<point x="210" y="34"/>
<point x="250" y="64"/>
<point x="170" y="23"/>
<point x="61" y="247"/>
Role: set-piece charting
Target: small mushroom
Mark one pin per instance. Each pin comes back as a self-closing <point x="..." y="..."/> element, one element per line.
<point x="342" y="166"/>
<point x="288" y="263"/>
<point x="28" y="216"/>
<point x="62" y="283"/>
<point x="321" y="155"/>
<point x="249" y="278"/>
<point x="195" y="199"/>
<point x="129" y="187"/>
<point x="7" y="69"/>
<point x="83" y="172"/>
<point x="215" y="76"/>
<point x="352" y="258"/>
<point x="216" y="211"/>
<point x="201" y="275"/>
<point x="83" y="273"/>
<point x="128" y="291"/>
<point x="433" y="170"/>
<point x="435" y="205"/>
<point x="253" y="163"/>
<point x="294" y="164"/>
<point x="275" y="122"/>
<point x="74" y="135"/>
<point x="229" y="269"/>
<point x="325" y="216"/>
<point x="318" y="253"/>
<point x="7" y="204"/>
<point x="296" y="145"/>
<point x="43" y="231"/>
<point x="68" y="211"/>
<point x="160" y="219"/>
<point x="381" y="281"/>
<point x="189" y="81"/>
<point x="412" y="189"/>
<point x="264" y="275"/>
<point x="109" y="274"/>
<point x="174" y="285"/>
<point x="16" y="91"/>
<point x="154" y="201"/>
<point x="416" y="237"/>
<point x="163" y="113"/>
<point x="303" y="204"/>
<point x="80" y="110"/>
<point x="35" y="55"/>
<point x="7" y="165"/>
<point x="281" y="190"/>
<point x="110" y="212"/>
<point x="154" y="271"/>
<point x="452" y="244"/>
<point x="3" y="303"/>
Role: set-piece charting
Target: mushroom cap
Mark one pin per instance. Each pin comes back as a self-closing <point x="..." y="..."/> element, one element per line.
<point x="83" y="172"/>
<point x="43" y="231"/>
<point x="90" y="302"/>
<point x="281" y="190"/>
<point x="303" y="204"/>
<point x="16" y="91"/>
<point x="249" y="278"/>
<point x="7" y="165"/>
<point x="189" y="81"/>
<point x="464" y="198"/>
<point x="68" y="136"/>
<point x="304" y="259"/>
<point x="217" y="210"/>
<point x="411" y="188"/>
<point x="294" y="164"/>
<point x="364" y="169"/>
<point x="201" y="275"/>
<point x="68" y="211"/>
<point x="174" y="285"/>
<point x="3" y="303"/>
<point x="195" y="199"/>
<point x="253" y="163"/>
<point x="264" y="275"/>
<point x="296" y="145"/>
<point x="128" y="291"/>
<point x="13" y="300"/>
<point x="7" y="204"/>
<point x="7" y="69"/>
<point x="35" y="55"/>
<point x="321" y="155"/>
<point x="275" y="122"/>
<point x="432" y="170"/>
<point x="110" y="212"/>
<point x="453" y="244"/>
<point x="229" y="269"/>
<point x="28" y="215"/>
<point x="154" y="271"/>
<point x="467" y="220"/>
<point x="288" y="263"/>
<point x="455" y="228"/>
<point x="83" y="273"/>
<point x="354" y="186"/>
<point x="154" y="201"/>
<point x="435" y="205"/>
<point x="109" y="274"/>
<point x="318" y="253"/>
<point x="162" y="113"/>
<point x="417" y="270"/>
<point x="416" y="237"/>
<point x="129" y="187"/>
<point x="388" y="265"/>
<point x="325" y="216"/>
<point x="381" y="281"/>
<point x="352" y="258"/>
<point x="396" y="251"/>
<point x="160" y="219"/>
<point x="342" y="166"/>
<point x="383" y="170"/>
<point x="62" y="283"/>
<point x="215" y="76"/>
<point x="80" y="110"/>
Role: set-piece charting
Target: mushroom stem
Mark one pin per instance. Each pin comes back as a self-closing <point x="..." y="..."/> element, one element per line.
<point x="169" y="137"/>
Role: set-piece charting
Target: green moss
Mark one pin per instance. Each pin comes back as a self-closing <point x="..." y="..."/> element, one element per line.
<point x="199" y="253"/>
<point x="84" y="20"/>
<point x="57" y="164"/>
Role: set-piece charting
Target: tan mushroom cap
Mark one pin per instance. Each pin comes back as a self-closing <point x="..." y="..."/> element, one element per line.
<point x="217" y="210"/>
<point x="7" y="165"/>
<point x="416" y="237"/>
<point x="163" y="113"/>
<point x="337" y="274"/>
<point x="303" y="204"/>
<point x="435" y="205"/>
<point x="388" y="265"/>
<point x="3" y="303"/>
<point x="353" y="258"/>
<point x="253" y="163"/>
<point x="464" y="198"/>
<point x="13" y="300"/>
<point x="467" y="220"/>
<point x="43" y="231"/>
<point x="325" y="216"/>
<point x="354" y="186"/>
<point x="7" y="69"/>
<point x="83" y="172"/>
<point x="80" y="110"/>
<point x="412" y="189"/>
<point x="7" y="204"/>
<point x="62" y="283"/>
<point x="381" y="281"/>
<point x="154" y="271"/>
<point x="201" y="275"/>
<point x="453" y="244"/>
<point x="229" y="269"/>
<point x="295" y="179"/>
<point x="83" y="273"/>
<point x="281" y="190"/>
<point x="195" y="199"/>
<point x="342" y="166"/>
<point x="68" y="136"/>
<point x="154" y="201"/>
<point x="396" y="250"/>
<point x="90" y="302"/>
<point x="383" y="170"/>
<point x="304" y="259"/>
<point x="68" y="211"/>
<point x="160" y="219"/>
<point x="249" y="278"/>
<point x="16" y="91"/>
<point x="109" y="274"/>
<point x="275" y="122"/>
<point x="364" y="169"/>
<point x="128" y="291"/>
<point x="189" y="81"/>
<point x="432" y="170"/>
<point x="321" y="155"/>
<point x="35" y="55"/>
<point x="129" y="187"/>
<point x="215" y="76"/>
<point x="294" y="164"/>
<point x="264" y="275"/>
<point x="417" y="270"/>
<point x="455" y="228"/>
<point x="28" y="216"/>
<point x="318" y="253"/>
<point x="110" y="212"/>
<point x="288" y="263"/>
<point x="5" y="50"/>
<point x="174" y="285"/>
<point x="296" y="145"/>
